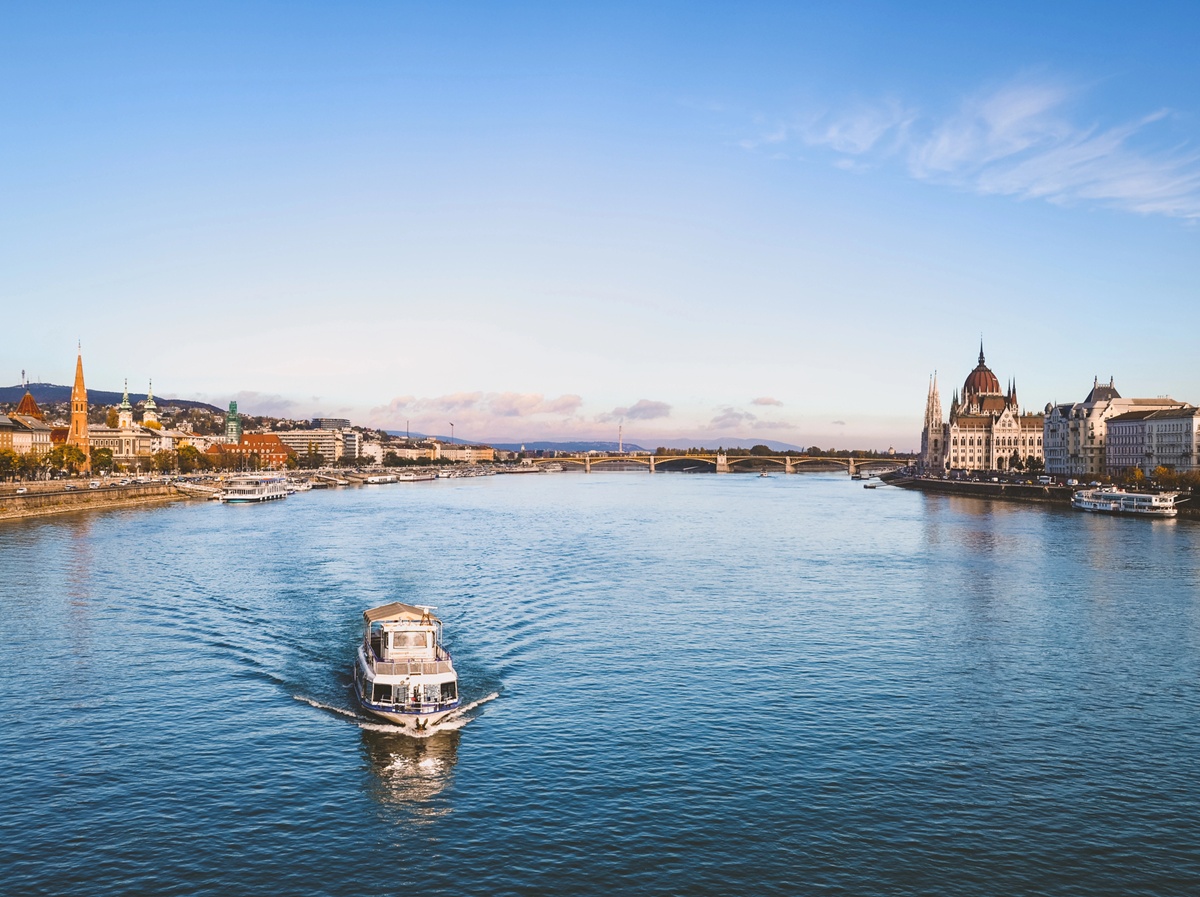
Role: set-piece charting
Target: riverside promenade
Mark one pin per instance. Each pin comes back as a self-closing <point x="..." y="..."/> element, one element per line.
<point x="1036" y="494"/>
<point x="45" y="499"/>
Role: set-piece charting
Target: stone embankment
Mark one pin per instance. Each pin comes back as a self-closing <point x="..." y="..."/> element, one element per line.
<point x="42" y="500"/>
<point x="1002" y="491"/>
<point x="1059" y="495"/>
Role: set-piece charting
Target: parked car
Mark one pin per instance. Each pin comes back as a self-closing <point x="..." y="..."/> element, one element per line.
<point x="94" y="484"/>
<point x="1072" y="482"/>
<point x="21" y="490"/>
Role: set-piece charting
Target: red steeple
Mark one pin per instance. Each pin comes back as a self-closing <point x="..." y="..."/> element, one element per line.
<point x="78" y="434"/>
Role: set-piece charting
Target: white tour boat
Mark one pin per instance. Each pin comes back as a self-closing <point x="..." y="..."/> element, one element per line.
<point x="403" y="674"/>
<point x="244" y="489"/>
<point x="1110" y="500"/>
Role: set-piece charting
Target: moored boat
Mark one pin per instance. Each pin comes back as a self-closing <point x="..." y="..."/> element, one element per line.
<point x="402" y="673"/>
<point x="256" y="488"/>
<point x="1111" y="500"/>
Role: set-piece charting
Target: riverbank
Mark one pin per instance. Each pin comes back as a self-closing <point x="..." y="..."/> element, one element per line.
<point x="1057" y="495"/>
<point x="46" y="502"/>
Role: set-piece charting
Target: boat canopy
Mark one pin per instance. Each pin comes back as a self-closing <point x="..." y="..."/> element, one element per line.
<point x="398" y="611"/>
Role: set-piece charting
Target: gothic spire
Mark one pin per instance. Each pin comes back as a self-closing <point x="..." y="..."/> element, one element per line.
<point x="125" y="406"/>
<point x="981" y="350"/>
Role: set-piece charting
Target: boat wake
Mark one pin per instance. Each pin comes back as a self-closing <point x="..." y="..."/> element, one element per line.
<point x="340" y="711"/>
<point x="451" y="723"/>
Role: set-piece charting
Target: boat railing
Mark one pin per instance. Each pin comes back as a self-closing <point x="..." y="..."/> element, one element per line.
<point x="412" y="667"/>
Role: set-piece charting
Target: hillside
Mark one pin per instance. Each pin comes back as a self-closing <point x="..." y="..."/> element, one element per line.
<point x="51" y="392"/>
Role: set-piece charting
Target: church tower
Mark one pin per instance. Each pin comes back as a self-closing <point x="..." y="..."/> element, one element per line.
<point x="125" y="411"/>
<point x="150" y="409"/>
<point x="933" y="433"/>
<point x="233" y="425"/>
<point x="77" y="435"/>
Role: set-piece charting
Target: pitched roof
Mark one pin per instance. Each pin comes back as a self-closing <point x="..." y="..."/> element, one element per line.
<point x="397" y="611"/>
<point x="29" y="406"/>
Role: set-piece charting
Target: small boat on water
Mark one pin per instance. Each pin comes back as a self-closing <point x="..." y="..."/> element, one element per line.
<point x="1111" y="500"/>
<point x="257" y="488"/>
<point x="403" y="674"/>
<point x="381" y="479"/>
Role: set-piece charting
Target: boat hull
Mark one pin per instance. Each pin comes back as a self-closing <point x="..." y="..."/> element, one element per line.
<point x="413" y="717"/>
<point x="416" y="722"/>
<point x="1123" y="512"/>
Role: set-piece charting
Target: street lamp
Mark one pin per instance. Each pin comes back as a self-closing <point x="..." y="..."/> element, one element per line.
<point x="452" y="434"/>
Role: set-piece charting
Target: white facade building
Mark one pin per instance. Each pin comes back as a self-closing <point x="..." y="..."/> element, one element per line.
<point x="332" y="445"/>
<point x="1173" y="440"/>
<point x="1075" y="435"/>
<point x="986" y="430"/>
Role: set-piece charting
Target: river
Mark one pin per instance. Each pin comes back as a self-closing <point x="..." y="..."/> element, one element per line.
<point x="687" y="684"/>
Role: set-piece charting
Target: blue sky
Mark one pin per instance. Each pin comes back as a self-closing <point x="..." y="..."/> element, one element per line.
<point x="756" y="221"/>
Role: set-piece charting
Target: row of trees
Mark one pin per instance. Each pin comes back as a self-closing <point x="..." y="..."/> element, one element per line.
<point x="1163" y="477"/>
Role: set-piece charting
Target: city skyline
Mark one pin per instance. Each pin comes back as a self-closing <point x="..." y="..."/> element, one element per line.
<point x="537" y="222"/>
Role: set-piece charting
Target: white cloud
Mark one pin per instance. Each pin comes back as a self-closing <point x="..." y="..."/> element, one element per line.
<point x="642" y="409"/>
<point x="765" y="400"/>
<point x="729" y="418"/>
<point x="1019" y="140"/>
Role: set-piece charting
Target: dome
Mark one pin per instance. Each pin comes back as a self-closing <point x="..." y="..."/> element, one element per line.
<point x="981" y="381"/>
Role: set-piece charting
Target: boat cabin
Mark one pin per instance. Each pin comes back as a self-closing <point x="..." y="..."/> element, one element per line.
<point x="402" y="632"/>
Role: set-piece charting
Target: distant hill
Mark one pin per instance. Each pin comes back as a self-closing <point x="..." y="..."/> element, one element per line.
<point x="51" y="392"/>
<point x="733" y="443"/>
<point x="566" y="446"/>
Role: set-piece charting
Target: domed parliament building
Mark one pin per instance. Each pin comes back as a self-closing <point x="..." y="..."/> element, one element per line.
<point x="986" y="430"/>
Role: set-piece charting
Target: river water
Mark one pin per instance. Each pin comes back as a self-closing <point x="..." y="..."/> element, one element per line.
<point x="700" y="685"/>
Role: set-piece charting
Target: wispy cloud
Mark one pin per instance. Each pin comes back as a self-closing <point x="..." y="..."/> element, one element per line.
<point x="642" y="409"/>
<point x="765" y="400"/>
<point x="1019" y="139"/>
<point x="729" y="418"/>
<point x="473" y="412"/>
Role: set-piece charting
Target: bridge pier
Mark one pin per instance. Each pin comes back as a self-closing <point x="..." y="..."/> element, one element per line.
<point x="652" y="464"/>
<point x="587" y="463"/>
<point x="787" y="465"/>
<point x="850" y="466"/>
<point x="722" y="463"/>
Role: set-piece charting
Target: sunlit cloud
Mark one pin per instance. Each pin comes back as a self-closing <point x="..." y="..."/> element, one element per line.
<point x="729" y="418"/>
<point x="473" y="412"/>
<point x="765" y="400"/>
<point x="1019" y="139"/>
<point x="642" y="409"/>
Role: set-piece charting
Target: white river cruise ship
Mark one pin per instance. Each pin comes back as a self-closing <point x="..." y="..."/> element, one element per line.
<point x="1110" y="500"/>
<point x="245" y="489"/>
<point x="402" y="673"/>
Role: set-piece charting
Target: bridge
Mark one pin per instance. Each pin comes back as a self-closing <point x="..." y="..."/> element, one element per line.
<point x="722" y="462"/>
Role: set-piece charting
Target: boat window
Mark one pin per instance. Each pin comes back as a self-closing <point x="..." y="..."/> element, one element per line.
<point x="409" y="639"/>
<point x="381" y="694"/>
<point x="449" y="691"/>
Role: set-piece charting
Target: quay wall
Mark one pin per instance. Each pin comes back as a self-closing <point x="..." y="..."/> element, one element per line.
<point x="1059" y="495"/>
<point x="1002" y="491"/>
<point x="44" y="502"/>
